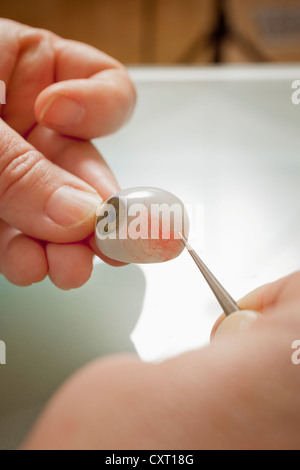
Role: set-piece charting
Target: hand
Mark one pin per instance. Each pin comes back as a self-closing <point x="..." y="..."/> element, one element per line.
<point x="60" y="94"/>
<point x="241" y="392"/>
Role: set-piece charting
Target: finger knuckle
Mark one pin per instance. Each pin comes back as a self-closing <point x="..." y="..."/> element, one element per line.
<point x="33" y="37"/>
<point x="21" y="169"/>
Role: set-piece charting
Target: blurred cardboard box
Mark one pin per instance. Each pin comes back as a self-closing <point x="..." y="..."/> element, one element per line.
<point x="133" y="31"/>
<point x="262" y="30"/>
<point x="232" y="52"/>
<point x="114" y="26"/>
<point x="183" y="30"/>
<point x="172" y="31"/>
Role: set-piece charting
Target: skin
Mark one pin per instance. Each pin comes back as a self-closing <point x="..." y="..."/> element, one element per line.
<point x="43" y="149"/>
<point x="241" y="392"/>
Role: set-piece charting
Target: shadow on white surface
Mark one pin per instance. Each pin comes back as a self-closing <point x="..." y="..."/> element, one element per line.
<point x="50" y="334"/>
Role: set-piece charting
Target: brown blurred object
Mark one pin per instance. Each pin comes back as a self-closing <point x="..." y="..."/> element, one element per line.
<point x="133" y="31"/>
<point x="184" y="30"/>
<point x="114" y="26"/>
<point x="261" y="31"/>
<point x="172" y="31"/>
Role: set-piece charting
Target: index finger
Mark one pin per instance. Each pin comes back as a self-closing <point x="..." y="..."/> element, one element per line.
<point x="93" y="95"/>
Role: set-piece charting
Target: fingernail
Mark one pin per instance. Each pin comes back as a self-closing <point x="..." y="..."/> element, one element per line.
<point x="62" y="111"/>
<point x="70" y="207"/>
<point x="236" y="323"/>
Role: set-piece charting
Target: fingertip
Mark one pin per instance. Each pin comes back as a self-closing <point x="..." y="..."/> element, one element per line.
<point x="88" y="108"/>
<point x="216" y="326"/>
<point x="61" y="112"/>
<point x="70" y="266"/>
<point x="24" y="261"/>
<point x="71" y="208"/>
<point x="235" y="323"/>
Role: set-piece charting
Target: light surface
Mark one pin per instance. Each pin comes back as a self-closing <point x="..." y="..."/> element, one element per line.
<point x="226" y="140"/>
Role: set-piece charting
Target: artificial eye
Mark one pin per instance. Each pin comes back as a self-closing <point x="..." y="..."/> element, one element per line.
<point x="142" y="225"/>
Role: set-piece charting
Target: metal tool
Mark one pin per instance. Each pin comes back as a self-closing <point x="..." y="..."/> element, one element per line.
<point x="227" y="303"/>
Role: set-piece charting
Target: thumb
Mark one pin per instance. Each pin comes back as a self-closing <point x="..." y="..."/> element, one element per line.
<point x="235" y="323"/>
<point x="39" y="198"/>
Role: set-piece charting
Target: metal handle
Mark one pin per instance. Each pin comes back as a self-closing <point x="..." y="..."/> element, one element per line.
<point x="227" y="303"/>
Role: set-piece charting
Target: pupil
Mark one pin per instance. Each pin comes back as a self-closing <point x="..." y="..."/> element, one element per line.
<point x="111" y="215"/>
